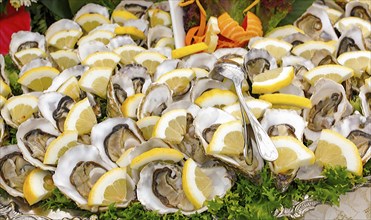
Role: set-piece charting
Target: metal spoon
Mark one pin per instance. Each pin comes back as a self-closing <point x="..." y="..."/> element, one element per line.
<point x="234" y="72"/>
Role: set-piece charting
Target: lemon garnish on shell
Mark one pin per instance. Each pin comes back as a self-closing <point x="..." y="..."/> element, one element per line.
<point x="37" y="186"/>
<point x="273" y="80"/>
<point x="59" y="146"/>
<point x="337" y="73"/>
<point x="39" y="78"/>
<point x="80" y="118"/>
<point x="156" y="154"/>
<point x="171" y="126"/>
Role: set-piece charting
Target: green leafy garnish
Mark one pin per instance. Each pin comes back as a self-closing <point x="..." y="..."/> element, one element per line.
<point x="356" y="103"/>
<point x="12" y="71"/>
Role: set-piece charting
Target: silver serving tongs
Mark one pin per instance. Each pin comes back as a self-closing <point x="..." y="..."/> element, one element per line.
<point x="266" y="148"/>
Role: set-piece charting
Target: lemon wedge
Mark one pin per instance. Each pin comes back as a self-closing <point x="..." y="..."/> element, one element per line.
<point x="134" y="32"/>
<point x="178" y="80"/>
<point x="159" y="17"/>
<point x="171" y="126"/>
<point x="188" y="50"/>
<point x="359" y="61"/>
<point x="65" y="39"/>
<point x="65" y="58"/>
<point x="227" y="139"/>
<point x="122" y="15"/>
<point x="276" y="48"/>
<point x="95" y="80"/>
<point x="337" y="73"/>
<point x="197" y="185"/>
<point x="283" y="31"/>
<point x="150" y="60"/>
<point x="103" y="36"/>
<point x="155" y="154"/>
<point x="146" y="125"/>
<point x="90" y="21"/>
<point x="130" y="105"/>
<point x="216" y="97"/>
<point x="111" y="187"/>
<point x="102" y="59"/>
<point x="211" y="36"/>
<point x="335" y="150"/>
<point x="27" y="55"/>
<point x="166" y="42"/>
<point x="347" y="23"/>
<point x="39" y="78"/>
<point x="5" y="89"/>
<point x="273" y="80"/>
<point x="307" y="49"/>
<point x="292" y="154"/>
<point x="21" y="107"/>
<point x="37" y="185"/>
<point x="287" y="100"/>
<point x="71" y="88"/>
<point x="59" y="146"/>
<point x="80" y="118"/>
<point x="128" y="52"/>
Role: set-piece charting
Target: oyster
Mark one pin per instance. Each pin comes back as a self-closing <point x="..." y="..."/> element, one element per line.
<point x="330" y="105"/>
<point x="33" y="137"/>
<point x="119" y="41"/>
<point x="114" y="136"/>
<point x="138" y="8"/>
<point x="316" y="24"/>
<point x="138" y="75"/>
<point x="202" y="85"/>
<point x="63" y="25"/>
<point x="281" y="122"/>
<point x="157" y="98"/>
<point x="156" y="33"/>
<point x="297" y="38"/>
<point x="357" y="129"/>
<point x="77" y="171"/>
<point x="55" y="107"/>
<point x="3" y="76"/>
<point x="167" y="66"/>
<point x="201" y="60"/>
<point x="351" y="40"/>
<point x="160" y="187"/>
<point x="257" y="61"/>
<point x="358" y="9"/>
<point x="3" y="131"/>
<point x="23" y="41"/>
<point x="65" y="75"/>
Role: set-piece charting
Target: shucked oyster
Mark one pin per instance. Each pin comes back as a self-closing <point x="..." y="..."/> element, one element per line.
<point x="160" y="187"/>
<point x="77" y="171"/>
<point x="13" y="170"/>
<point x="33" y="137"/>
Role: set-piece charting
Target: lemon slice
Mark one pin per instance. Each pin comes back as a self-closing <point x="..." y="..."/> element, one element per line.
<point x="287" y="100"/>
<point x="211" y="36"/>
<point x="359" y="61"/>
<point x="188" y="50"/>
<point x="156" y="154"/>
<point x="146" y="125"/>
<point x="128" y="52"/>
<point x="334" y="72"/>
<point x="65" y="39"/>
<point x="121" y="15"/>
<point x="59" y="146"/>
<point x="134" y="32"/>
<point x="159" y="17"/>
<point x="276" y="48"/>
<point x="178" y="80"/>
<point x="90" y="21"/>
<point x="39" y="78"/>
<point x="21" y="107"/>
<point x="256" y="106"/>
<point x="307" y="49"/>
<point x="65" y="58"/>
<point x="273" y="80"/>
<point x="166" y="42"/>
<point x="80" y="118"/>
<point x="95" y="80"/>
<point x="130" y="105"/>
<point x="5" y="90"/>
<point x="335" y="150"/>
<point x="27" y="55"/>
<point x="216" y="97"/>
<point x="227" y="139"/>
<point x="283" y="31"/>
<point x="110" y="188"/>
<point x="197" y="185"/>
<point x="347" y="23"/>
<point x="37" y="185"/>
<point x="102" y="59"/>
<point x="292" y="154"/>
<point x="103" y="36"/>
<point x="171" y="126"/>
<point x="200" y="72"/>
<point x="150" y="60"/>
<point x="71" y="88"/>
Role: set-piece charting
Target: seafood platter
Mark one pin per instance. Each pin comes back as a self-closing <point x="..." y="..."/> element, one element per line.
<point x="127" y="108"/>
